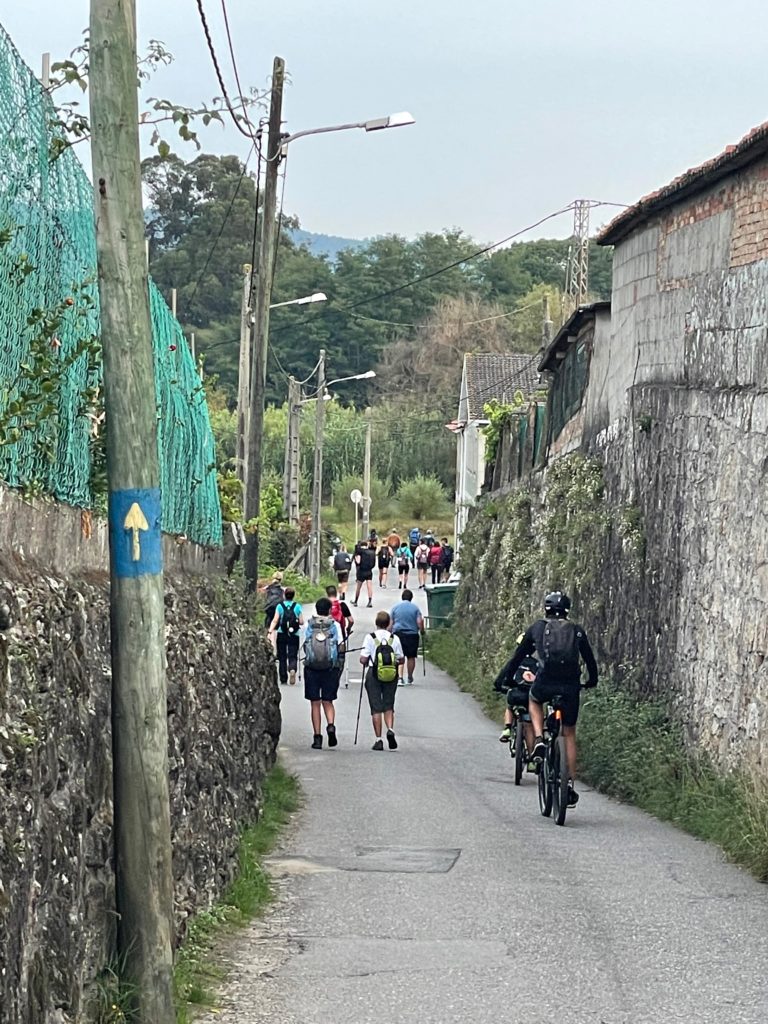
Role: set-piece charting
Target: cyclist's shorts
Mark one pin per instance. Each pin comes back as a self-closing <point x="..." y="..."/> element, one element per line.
<point x="542" y="692"/>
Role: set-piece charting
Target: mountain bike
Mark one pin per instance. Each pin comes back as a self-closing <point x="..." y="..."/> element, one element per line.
<point x="518" y="748"/>
<point x="553" y="771"/>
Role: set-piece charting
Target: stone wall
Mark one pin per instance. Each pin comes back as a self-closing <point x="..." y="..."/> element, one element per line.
<point x="56" y="878"/>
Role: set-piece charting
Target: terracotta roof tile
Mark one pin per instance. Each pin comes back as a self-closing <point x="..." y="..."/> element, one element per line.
<point x="750" y="148"/>
<point x="498" y="375"/>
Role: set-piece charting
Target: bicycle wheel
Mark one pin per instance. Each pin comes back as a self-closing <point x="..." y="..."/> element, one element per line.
<point x="519" y="752"/>
<point x="560" y="781"/>
<point x="545" y="787"/>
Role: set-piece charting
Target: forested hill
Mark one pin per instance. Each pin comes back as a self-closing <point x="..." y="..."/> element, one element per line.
<point x="200" y="227"/>
<point x="324" y="245"/>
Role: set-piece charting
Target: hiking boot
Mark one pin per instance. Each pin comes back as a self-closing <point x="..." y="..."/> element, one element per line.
<point x="292" y="677"/>
<point x="331" y="730"/>
<point x="378" y="745"/>
<point x="573" y="796"/>
<point x="506" y="734"/>
<point x="391" y="741"/>
<point x="317" y="742"/>
<point x="539" y="751"/>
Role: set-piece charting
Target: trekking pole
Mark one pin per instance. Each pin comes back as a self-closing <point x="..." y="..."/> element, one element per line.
<point x="359" y="706"/>
<point x="424" y="653"/>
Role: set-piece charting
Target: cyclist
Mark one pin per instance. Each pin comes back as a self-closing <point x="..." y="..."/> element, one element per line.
<point x="517" y="686"/>
<point x="558" y="644"/>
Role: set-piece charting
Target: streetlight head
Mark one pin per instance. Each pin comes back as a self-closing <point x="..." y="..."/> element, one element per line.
<point x="367" y="374"/>
<point x="393" y="121"/>
<point x="314" y="297"/>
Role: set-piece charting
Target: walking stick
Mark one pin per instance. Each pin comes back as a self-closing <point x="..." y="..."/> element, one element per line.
<point x="359" y="706"/>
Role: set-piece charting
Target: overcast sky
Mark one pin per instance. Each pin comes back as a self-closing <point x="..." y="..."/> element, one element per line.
<point x="521" y="105"/>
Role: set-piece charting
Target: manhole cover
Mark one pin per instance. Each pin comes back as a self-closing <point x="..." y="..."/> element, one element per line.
<point x="407" y="859"/>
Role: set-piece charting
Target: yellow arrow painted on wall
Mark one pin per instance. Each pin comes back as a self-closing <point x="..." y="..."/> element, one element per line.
<point x="135" y="521"/>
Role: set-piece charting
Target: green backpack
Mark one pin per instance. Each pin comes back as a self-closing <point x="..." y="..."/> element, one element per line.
<point x="384" y="662"/>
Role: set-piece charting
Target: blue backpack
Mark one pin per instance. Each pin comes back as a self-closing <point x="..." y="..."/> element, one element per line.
<point x="415" y="535"/>
<point x="321" y="647"/>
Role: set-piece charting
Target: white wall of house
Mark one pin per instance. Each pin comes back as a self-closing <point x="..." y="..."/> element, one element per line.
<point x="470" y="472"/>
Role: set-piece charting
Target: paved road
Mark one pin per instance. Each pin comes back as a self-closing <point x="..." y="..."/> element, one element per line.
<point x="420" y="886"/>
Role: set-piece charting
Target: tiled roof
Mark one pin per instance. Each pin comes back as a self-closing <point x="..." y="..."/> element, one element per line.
<point x="733" y="158"/>
<point x="492" y="375"/>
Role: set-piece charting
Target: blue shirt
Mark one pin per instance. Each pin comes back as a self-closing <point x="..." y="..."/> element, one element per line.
<point x="405" y="617"/>
<point x="291" y="604"/>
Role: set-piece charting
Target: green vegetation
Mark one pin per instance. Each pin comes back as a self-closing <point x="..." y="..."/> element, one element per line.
<point x="634" y="750"/>
<point x="195" y="973"/>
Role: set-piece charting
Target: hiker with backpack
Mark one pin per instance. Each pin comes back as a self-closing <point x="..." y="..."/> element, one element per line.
<point x="558" y="645"/>
<point x="414" y="537"/>
<point x="381" y="657"/>
<point x="393" y="541"/>
<point x="365" y="561"/>
<point x="404" y="560"/>
<point x="446" y="560"/>
<point x="342" y="563"/>
<point x="421" y="557"/>
<point x="285" y="628"/>
<point x="436" y="561"/>
<point x="384" y="560"/>
<point x="323" y="650"/>
<point x="273" y="595"/>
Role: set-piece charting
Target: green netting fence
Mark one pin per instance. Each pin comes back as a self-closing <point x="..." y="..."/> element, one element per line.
<point x="47" y="254"/>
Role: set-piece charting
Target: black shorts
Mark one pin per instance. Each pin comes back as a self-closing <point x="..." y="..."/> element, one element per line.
<point x="544" y="691"/>
<point x="384" y="563"/>
<point x="321" y="685"/>
<point x="517" y="697"/>
<point x="364" y="575"/>
<point x="403" y="567"/>
<point x="381" y="696"/>
<point x="409" y="643"/>
<point x="342" y="575"/>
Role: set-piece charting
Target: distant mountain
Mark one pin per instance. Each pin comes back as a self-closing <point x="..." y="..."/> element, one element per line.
<point x="325" y="245"/>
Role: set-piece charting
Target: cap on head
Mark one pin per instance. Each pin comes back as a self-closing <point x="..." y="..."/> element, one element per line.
<point x="557" y="603"/>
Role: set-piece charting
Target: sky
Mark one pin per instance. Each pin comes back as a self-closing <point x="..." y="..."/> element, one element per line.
<point x="521" y="105"/>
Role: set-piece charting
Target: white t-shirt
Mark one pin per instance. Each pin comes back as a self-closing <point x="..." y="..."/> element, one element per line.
<point x="369" y="646"/>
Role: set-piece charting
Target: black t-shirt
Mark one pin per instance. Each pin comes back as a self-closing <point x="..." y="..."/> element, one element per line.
<point x="367" y="559"/>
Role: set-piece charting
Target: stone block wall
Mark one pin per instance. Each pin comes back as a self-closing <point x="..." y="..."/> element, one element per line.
<point x="56" y="876"/>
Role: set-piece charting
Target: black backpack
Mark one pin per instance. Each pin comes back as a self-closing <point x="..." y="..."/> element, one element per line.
<point x="289" y="620"/>
<point x="273" y="597"/>
<point x="559" y="654"/>
<point x="342" y="561"/>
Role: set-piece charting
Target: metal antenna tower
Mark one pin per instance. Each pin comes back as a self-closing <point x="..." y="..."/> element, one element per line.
<point x="577" y="270"/>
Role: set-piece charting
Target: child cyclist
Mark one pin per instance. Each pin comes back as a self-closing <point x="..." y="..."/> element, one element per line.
<point x="517" y="688"/>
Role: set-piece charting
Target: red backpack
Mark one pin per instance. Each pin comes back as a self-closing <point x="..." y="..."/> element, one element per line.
<point x="336" y="612"/>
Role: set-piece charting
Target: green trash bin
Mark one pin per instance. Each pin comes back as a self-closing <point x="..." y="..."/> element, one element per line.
<point x="440" y="598"/>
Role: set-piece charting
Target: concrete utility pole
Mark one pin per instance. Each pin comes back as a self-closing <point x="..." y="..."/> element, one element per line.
<point x="261" y="322"/>
<point x="139" y="720"/>
<point x="316" y="549"/>
<point x="244" y="376"/>
<point x="367" y="475"/>
<point x="546" y="323"/>
<point x="292" y="454"/>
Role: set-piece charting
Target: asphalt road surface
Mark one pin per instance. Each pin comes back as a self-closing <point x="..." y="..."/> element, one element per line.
<point x="421" y="886"/>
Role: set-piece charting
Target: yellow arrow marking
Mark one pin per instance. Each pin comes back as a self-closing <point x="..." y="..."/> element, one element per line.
<point x="135" y="520"/>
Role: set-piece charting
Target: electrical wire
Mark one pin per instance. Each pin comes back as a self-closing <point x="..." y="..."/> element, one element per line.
<point x="234" y="66"/>
<point x="450" y="323"/>
<point x="222" y="85"/>
<point x="222" y="225"/>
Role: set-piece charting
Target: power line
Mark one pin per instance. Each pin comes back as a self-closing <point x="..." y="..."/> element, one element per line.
<point x="222" y="85"/>
<point x="222" y="225"/>
<point x="234" y="66"/>
<point x="449" y="323"/>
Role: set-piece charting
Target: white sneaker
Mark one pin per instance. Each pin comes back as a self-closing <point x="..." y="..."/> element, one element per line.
<point x="401" y="681"/>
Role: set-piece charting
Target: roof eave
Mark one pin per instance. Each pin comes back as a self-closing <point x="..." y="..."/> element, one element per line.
<point x="571" y="326"/>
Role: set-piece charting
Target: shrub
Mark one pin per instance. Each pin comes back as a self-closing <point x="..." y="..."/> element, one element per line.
<point x="381" y="497"/>
<point x="422" y="497"/>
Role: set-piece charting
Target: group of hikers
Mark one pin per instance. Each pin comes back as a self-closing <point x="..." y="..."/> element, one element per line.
<point x="422" y="551"/>
<point x="388" y="655"/>
<point x="545" y="665"/>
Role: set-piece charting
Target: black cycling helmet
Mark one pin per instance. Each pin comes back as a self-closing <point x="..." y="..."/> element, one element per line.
<point x="557" y="603"/>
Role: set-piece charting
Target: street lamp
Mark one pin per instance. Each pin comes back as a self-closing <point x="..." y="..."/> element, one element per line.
<point x="376" y="125"/>
<point x="260" y="331"/>
<point x="314" y="297"/>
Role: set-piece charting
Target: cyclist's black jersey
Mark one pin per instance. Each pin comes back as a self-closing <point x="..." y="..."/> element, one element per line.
<point x="533" y="641"/>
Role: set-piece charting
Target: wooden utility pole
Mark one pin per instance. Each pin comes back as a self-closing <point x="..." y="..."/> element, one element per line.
<point x="260" y="343"/>
<point x="244" y="375"/>
<point x="139" y="708"/>
<point x="367" y="476"/>
<point x="316" y="549"/>
<point x="292" y="454"/>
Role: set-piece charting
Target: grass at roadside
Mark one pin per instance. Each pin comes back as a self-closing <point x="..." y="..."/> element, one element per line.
<point x="195" y="973"/>
<point x="632" y="750"/>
